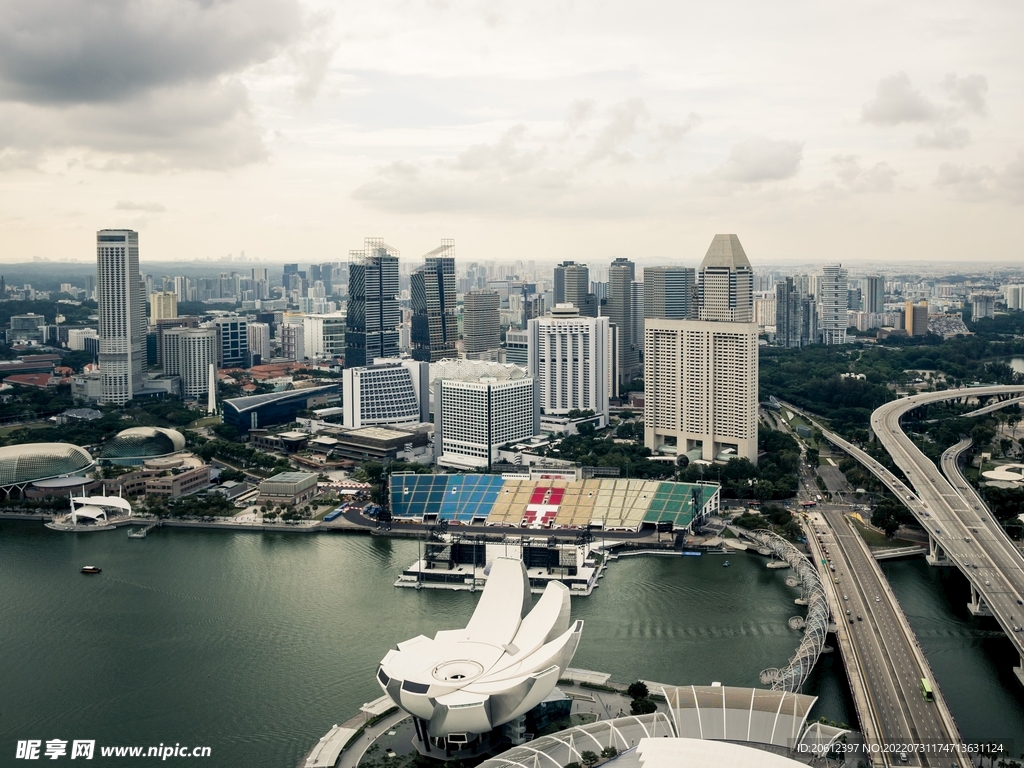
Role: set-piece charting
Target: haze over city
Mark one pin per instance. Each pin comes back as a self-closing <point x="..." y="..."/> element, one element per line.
<point x="557" y="130"/>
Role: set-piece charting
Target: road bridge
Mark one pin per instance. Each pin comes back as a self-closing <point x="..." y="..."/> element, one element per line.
<point x="962" y="533"/>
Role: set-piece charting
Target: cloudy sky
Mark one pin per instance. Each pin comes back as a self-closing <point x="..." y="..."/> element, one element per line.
<point x="534" y="129"/>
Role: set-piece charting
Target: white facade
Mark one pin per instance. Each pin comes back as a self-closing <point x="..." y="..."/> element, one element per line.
<point x="323" y="335"/>
<point x="726" y="285"/>
<point x="77" y="337"/>
<point x="122" y="312"/>
<point x="293" y="340"/>
<point x="162" y="306"/>
<point x="832" y="303"/>
<point x="259" y="340"/>
<point x="701" y="388"/>
<point x="388" y="393"/>
<point x="474" y="419"/>
<point x="189" y="353"/>
<point x="569" y="357"/>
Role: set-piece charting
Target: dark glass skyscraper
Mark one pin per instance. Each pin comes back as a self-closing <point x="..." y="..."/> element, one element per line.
<point x="621" y="274"/>
<point x="435" y="326"/>
<point x="373" y="312"/>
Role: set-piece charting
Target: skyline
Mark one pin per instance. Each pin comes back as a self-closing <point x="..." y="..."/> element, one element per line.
<point x="875" y="133"/>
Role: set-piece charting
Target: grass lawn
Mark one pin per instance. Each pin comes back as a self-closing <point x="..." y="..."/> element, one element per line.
<point x="875" y="539"/>
<point x="206" y="421"/>
<point x="5" y="431"/>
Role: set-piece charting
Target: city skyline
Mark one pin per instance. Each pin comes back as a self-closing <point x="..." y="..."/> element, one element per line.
<point x="633" y="135"/>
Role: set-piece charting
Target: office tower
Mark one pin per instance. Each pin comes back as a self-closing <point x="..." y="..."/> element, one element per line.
<point x="289" y="270"/>
<point x="915" y="318"/>
<point x="435" y="326"/>
<point x="517" y="347"/>
<point x="874" y="294"/>
<point x="232" y="342"/>
<point x="90" y="287"/>
<point x="568" y="355"/>
<point x="186" y="321"/>
<point x="386" y="393"/>
<point x="324" y="335"/>
<point x="620" y="312"/>
<point x="669" y="292"/>
<point x="293" y="340"/>
<point x="796" y="316"/>
<point x="638" y="315"/>
<point x="261" y="273"/>
<point x="259" y="341"/>
<point x="726" y="282"/>
<point x="162" y="306"/>
<point x="855" y="299"/>
<point x="188" y="353"/>
<point x="700" y="396"/>
<point x="30" y="327"/>
<point x="572" y="286"/>
<point x="77" y="337"/>
<point x="122" y="315"/>
<point x="481" y="325"/>
<point x="373" y="313"/>
<point x="474" y="419"/>
<point x="832" y="299"/>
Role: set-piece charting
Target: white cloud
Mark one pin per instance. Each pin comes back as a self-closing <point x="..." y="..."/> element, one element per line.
<point x="130" y="205"/>
<point x="760" y="159"/>
<point x="881" y="177"/>
<point x="897" y="101"/>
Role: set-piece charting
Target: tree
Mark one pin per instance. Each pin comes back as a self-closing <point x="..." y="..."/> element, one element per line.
<point x="609" y="751"/>
<point x="638" y="690"/>
<point x="642" y="706"/>
<point x="589" y="758"/>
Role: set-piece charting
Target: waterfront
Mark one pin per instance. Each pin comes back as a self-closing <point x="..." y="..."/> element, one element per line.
<point x="256" y="644"/>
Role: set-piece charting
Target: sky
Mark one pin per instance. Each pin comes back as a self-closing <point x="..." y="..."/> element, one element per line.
<point x="551" y="129"/>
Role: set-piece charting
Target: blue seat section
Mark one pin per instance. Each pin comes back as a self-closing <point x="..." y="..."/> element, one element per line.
<point x="457" y="498"/>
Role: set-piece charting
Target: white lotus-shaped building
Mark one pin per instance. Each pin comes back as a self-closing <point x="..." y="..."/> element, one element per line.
<point x="506" y="661"/>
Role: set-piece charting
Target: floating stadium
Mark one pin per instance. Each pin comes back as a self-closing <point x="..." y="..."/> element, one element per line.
<point x="606" y="503"/>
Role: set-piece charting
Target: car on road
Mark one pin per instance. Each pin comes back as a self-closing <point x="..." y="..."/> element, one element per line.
<point x="1016" y="628"/>
<point x="878" y="599"/>
<point x="846" y="598"/>
<point x="859" y="619"/>
<point x="937" y="530"/>
<point x="1019" y="601"/>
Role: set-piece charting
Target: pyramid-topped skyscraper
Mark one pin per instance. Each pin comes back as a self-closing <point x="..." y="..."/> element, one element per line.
<point x="726" y="282"/>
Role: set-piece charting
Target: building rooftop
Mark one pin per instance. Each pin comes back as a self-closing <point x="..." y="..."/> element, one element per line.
<point x="725" y="251"/>
<point x="290" y="477"/>
<point x="377" y="433"/>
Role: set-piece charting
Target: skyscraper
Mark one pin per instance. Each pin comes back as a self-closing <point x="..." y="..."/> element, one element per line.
<point x="669" y="293"/>
<point x="373" y="313"/>
<point x="572" y="286"/>
<point x="188" y="353"/>
<point x="432" y="290"/>
<point x="232" y="342"/>
<point x="832" y="301"/>
<point x="620" y="311"/>
<point x="796" y="316"/>
<point x="726" y="289"/>
<point x="162" y="306"/>
<point x="915" y="318"/>
<point x="122" y="315"/>
<point x="874" y="294"/>
<point x="481" y="325"/>
<point x="568" y="355"/>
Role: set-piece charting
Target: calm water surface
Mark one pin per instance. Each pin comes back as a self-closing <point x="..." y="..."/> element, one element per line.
<point x="256" y="644"/>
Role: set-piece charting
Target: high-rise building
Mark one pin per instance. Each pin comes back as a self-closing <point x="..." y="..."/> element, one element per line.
<point x="386" y="393"/>
<point x="435" y="326"/>
<point x="568" y="355"/>
<point x="90" y="287"/>
<point x="324" y="335"/>
<point x="188" y="353"/>
<point x="259" y="341"/>
<point x="30" y="327"/>
<point x="572" y="286"/>
<point x="638" y="315"/>
<point x="983" y="305"/>
<point x="517" y="347"/>
<point x="620" y="312"/>
<point x="293" y="340"/>
<point x="161" y="326"/>
<point x="481" y="325"/>
<point x="474" y="419"/>
<point x="916" y="318"/>
<point x="726" y="285"/>
<point x="373" y="312"/>
<point x="122" y="315"/>
<point x="765" y="309"/>
<point x="700" y="389"/>
<point x="796" y="316"/>
<point x="874" y="294"/>
<point x="162" y="306"/>
<point x="832" y="300"/>
<point x="669" y="293"/>
<point x="232" y="342"/>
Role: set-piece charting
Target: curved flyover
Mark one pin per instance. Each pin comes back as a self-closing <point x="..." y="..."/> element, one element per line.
<point x="961" y="531"/>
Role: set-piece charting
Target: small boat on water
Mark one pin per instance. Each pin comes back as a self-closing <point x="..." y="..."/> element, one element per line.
<point x="91" y="569"/>
<point x="725" y="564"/>
<point x="140" y="534"/>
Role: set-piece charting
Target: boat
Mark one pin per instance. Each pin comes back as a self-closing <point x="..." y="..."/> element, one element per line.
<point x="140" y="534"/>
<point x="91" y="569"/>
<point x="725" y="564"/>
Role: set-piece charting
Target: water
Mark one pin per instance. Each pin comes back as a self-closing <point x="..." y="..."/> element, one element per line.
<point x="1017" y="364"/>
<point x="256" y="644"/>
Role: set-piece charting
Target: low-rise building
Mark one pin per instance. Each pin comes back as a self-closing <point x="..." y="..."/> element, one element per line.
<point x="288" y="488"/>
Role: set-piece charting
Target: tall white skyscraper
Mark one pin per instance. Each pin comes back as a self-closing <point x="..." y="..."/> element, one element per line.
<point x="122" y="315"/>
<point x="832" y="303"/>
<point x="188" y="353"/>
<point x="163" y="306"/>
<point x="700" y="393"/>
<point x="568" y="355"/>
<point x="259" y="340"/>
